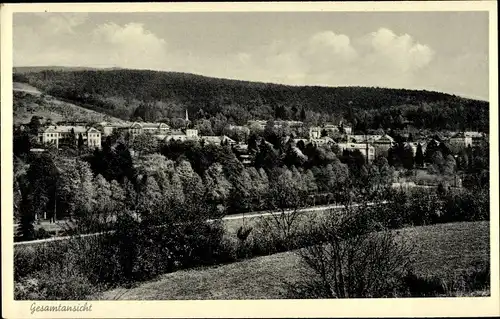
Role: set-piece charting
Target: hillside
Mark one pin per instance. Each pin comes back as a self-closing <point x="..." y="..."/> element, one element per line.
<point x="28" y="102"/>
<point x="446" y="250"/>
<point x="154" y="95"/>
<point x="28" y="69"/>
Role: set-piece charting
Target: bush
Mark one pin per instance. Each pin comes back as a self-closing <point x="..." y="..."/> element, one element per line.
<point x="424" y="207"/>
<point x="50" y="271"/>
<point x="352" y="260"/>
<point x="53" y="285"/>
<point x="136" y="251"/>
<point x="477" y="278"/>
<point x="34" y="258"/>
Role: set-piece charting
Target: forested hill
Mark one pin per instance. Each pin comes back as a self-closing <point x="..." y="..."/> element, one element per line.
<point x="29" y="69"/>
<point x="154" y="95"/>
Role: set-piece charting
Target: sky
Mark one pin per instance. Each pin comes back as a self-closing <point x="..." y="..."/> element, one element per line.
<point x="440" y="51"/>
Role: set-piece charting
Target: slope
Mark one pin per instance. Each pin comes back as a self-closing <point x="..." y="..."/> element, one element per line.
<point x="153" y="94"/>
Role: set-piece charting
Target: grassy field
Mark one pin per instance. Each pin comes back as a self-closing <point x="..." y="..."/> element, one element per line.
<point x="28" y="102"/>
<point x="439" y="249"/>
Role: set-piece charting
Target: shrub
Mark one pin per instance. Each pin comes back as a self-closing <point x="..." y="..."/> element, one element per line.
<point x="53" y="285"/>
<point x="466" y="281"/>
<point x="137" y="250"/>
<point x="31" y="259"/>
<point x="352" y="260"/>
<point x="50" y="271"/>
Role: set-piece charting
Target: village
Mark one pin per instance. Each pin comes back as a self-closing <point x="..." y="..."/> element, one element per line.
<point x="341" y="135"/>
<point x="252" y="154"/>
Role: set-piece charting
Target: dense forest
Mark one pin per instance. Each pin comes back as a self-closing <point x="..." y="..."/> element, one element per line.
<point x="154" y="96"/>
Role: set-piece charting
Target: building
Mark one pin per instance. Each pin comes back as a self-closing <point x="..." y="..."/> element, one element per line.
<point x="218" y="140"/>
<point x="243" y="154"/>
<point x="177" y="135"/>
<point x="477" y="138"/>
<point x="291" y="124"/>
<point x="474" y="134"/>
<point x="58" y="135"/>
<point x="460" y="140"/>
<point x="362" y="147"/>
<point x="413" y="146"/>
<point x="384" y="141"/>
<point x="192" y="133"/>
<point x="322" y="141"/>
<point x="239" y="128"/>
<point x="315" y="132"/>
<point x="364" y="138"/>
<point x="260" y="124"/>
<point x="107" y="128"/>
<point x="138" y="128"/>
<point x="331" y="128"/>
<point x="347" y="128"/>
<point x="382" y="144"/>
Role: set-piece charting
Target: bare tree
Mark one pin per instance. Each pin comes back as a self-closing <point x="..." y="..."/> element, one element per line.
<point x="351" y="256"/>
<point x="285" y="200"/>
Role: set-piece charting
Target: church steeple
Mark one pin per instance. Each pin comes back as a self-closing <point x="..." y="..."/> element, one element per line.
<point x="187" y="116"/>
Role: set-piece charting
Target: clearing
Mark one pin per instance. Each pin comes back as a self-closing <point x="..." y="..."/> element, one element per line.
<point x="29" y="102"/>
<point x="440" y="248"/>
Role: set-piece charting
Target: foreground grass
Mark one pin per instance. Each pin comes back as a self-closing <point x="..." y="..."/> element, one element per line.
<point x="439" y="249"/>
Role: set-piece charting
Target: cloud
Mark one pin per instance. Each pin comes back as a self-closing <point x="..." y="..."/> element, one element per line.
<point x="380" y="58"/>
<point x="328" y="43"/>
<point x="130" y="45"/>
<point x="399" y="53"/>
<point x="327" y="57"/>
<point x="66" y="39"/>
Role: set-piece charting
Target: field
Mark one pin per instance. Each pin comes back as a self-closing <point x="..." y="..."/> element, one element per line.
<point x="439" y="249"/>
<point x="29" y="102"/>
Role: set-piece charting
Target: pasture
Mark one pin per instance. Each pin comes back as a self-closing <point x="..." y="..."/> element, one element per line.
<point x="439" y="250"/>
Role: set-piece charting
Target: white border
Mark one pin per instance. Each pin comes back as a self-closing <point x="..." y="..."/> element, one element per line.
<point x="412" y="307"/>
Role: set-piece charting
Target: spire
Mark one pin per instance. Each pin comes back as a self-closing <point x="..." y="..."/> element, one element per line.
<point x="187" y="117"/>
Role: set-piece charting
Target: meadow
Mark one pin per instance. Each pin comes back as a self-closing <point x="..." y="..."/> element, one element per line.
<point x="445" y="251"/>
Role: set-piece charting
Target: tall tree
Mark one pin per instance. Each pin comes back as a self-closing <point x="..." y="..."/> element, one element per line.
<point x="72" y="141"/>
<point x="81" y="144"/>
<point x="419" y="156"/>
<point x="217" y="186"/>
<point x="103" y="203"/>
<point x="41" y="178"/>
<point x="432" y="147"/>
<point x="303" y="115"/>
<point x="149" y="199"/>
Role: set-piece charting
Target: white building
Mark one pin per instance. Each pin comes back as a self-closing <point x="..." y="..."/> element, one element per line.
<point x="314" y="132"/>
<point x="362" y="147"/>
<point x="217" y="140"/>
<point x="189" y="134"/>
<point x="148" y="128"/>
<point x="56" y="135"/>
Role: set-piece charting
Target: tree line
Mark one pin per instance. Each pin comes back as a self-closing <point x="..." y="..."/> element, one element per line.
<point x="154" y="96"/>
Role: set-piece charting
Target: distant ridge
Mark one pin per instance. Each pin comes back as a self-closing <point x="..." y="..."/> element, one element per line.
<point x="155" y="95"/>
<point x="28" y="69"/>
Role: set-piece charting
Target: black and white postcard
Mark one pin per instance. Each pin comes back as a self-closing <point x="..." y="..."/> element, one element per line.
<point x="250" y="160"/>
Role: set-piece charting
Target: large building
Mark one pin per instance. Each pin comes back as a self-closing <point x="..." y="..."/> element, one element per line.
<point x="239" y="128"/>
<point x="138" y="128"/>
<point x="315" y="132"/>
<point x="178" y="135"/>
<point x="260" y="124"/>
<point x="362" y="147"/>
<point x="460" y="140"/>
<point x="217" y="140"/>
<point x="58" y="135"/>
